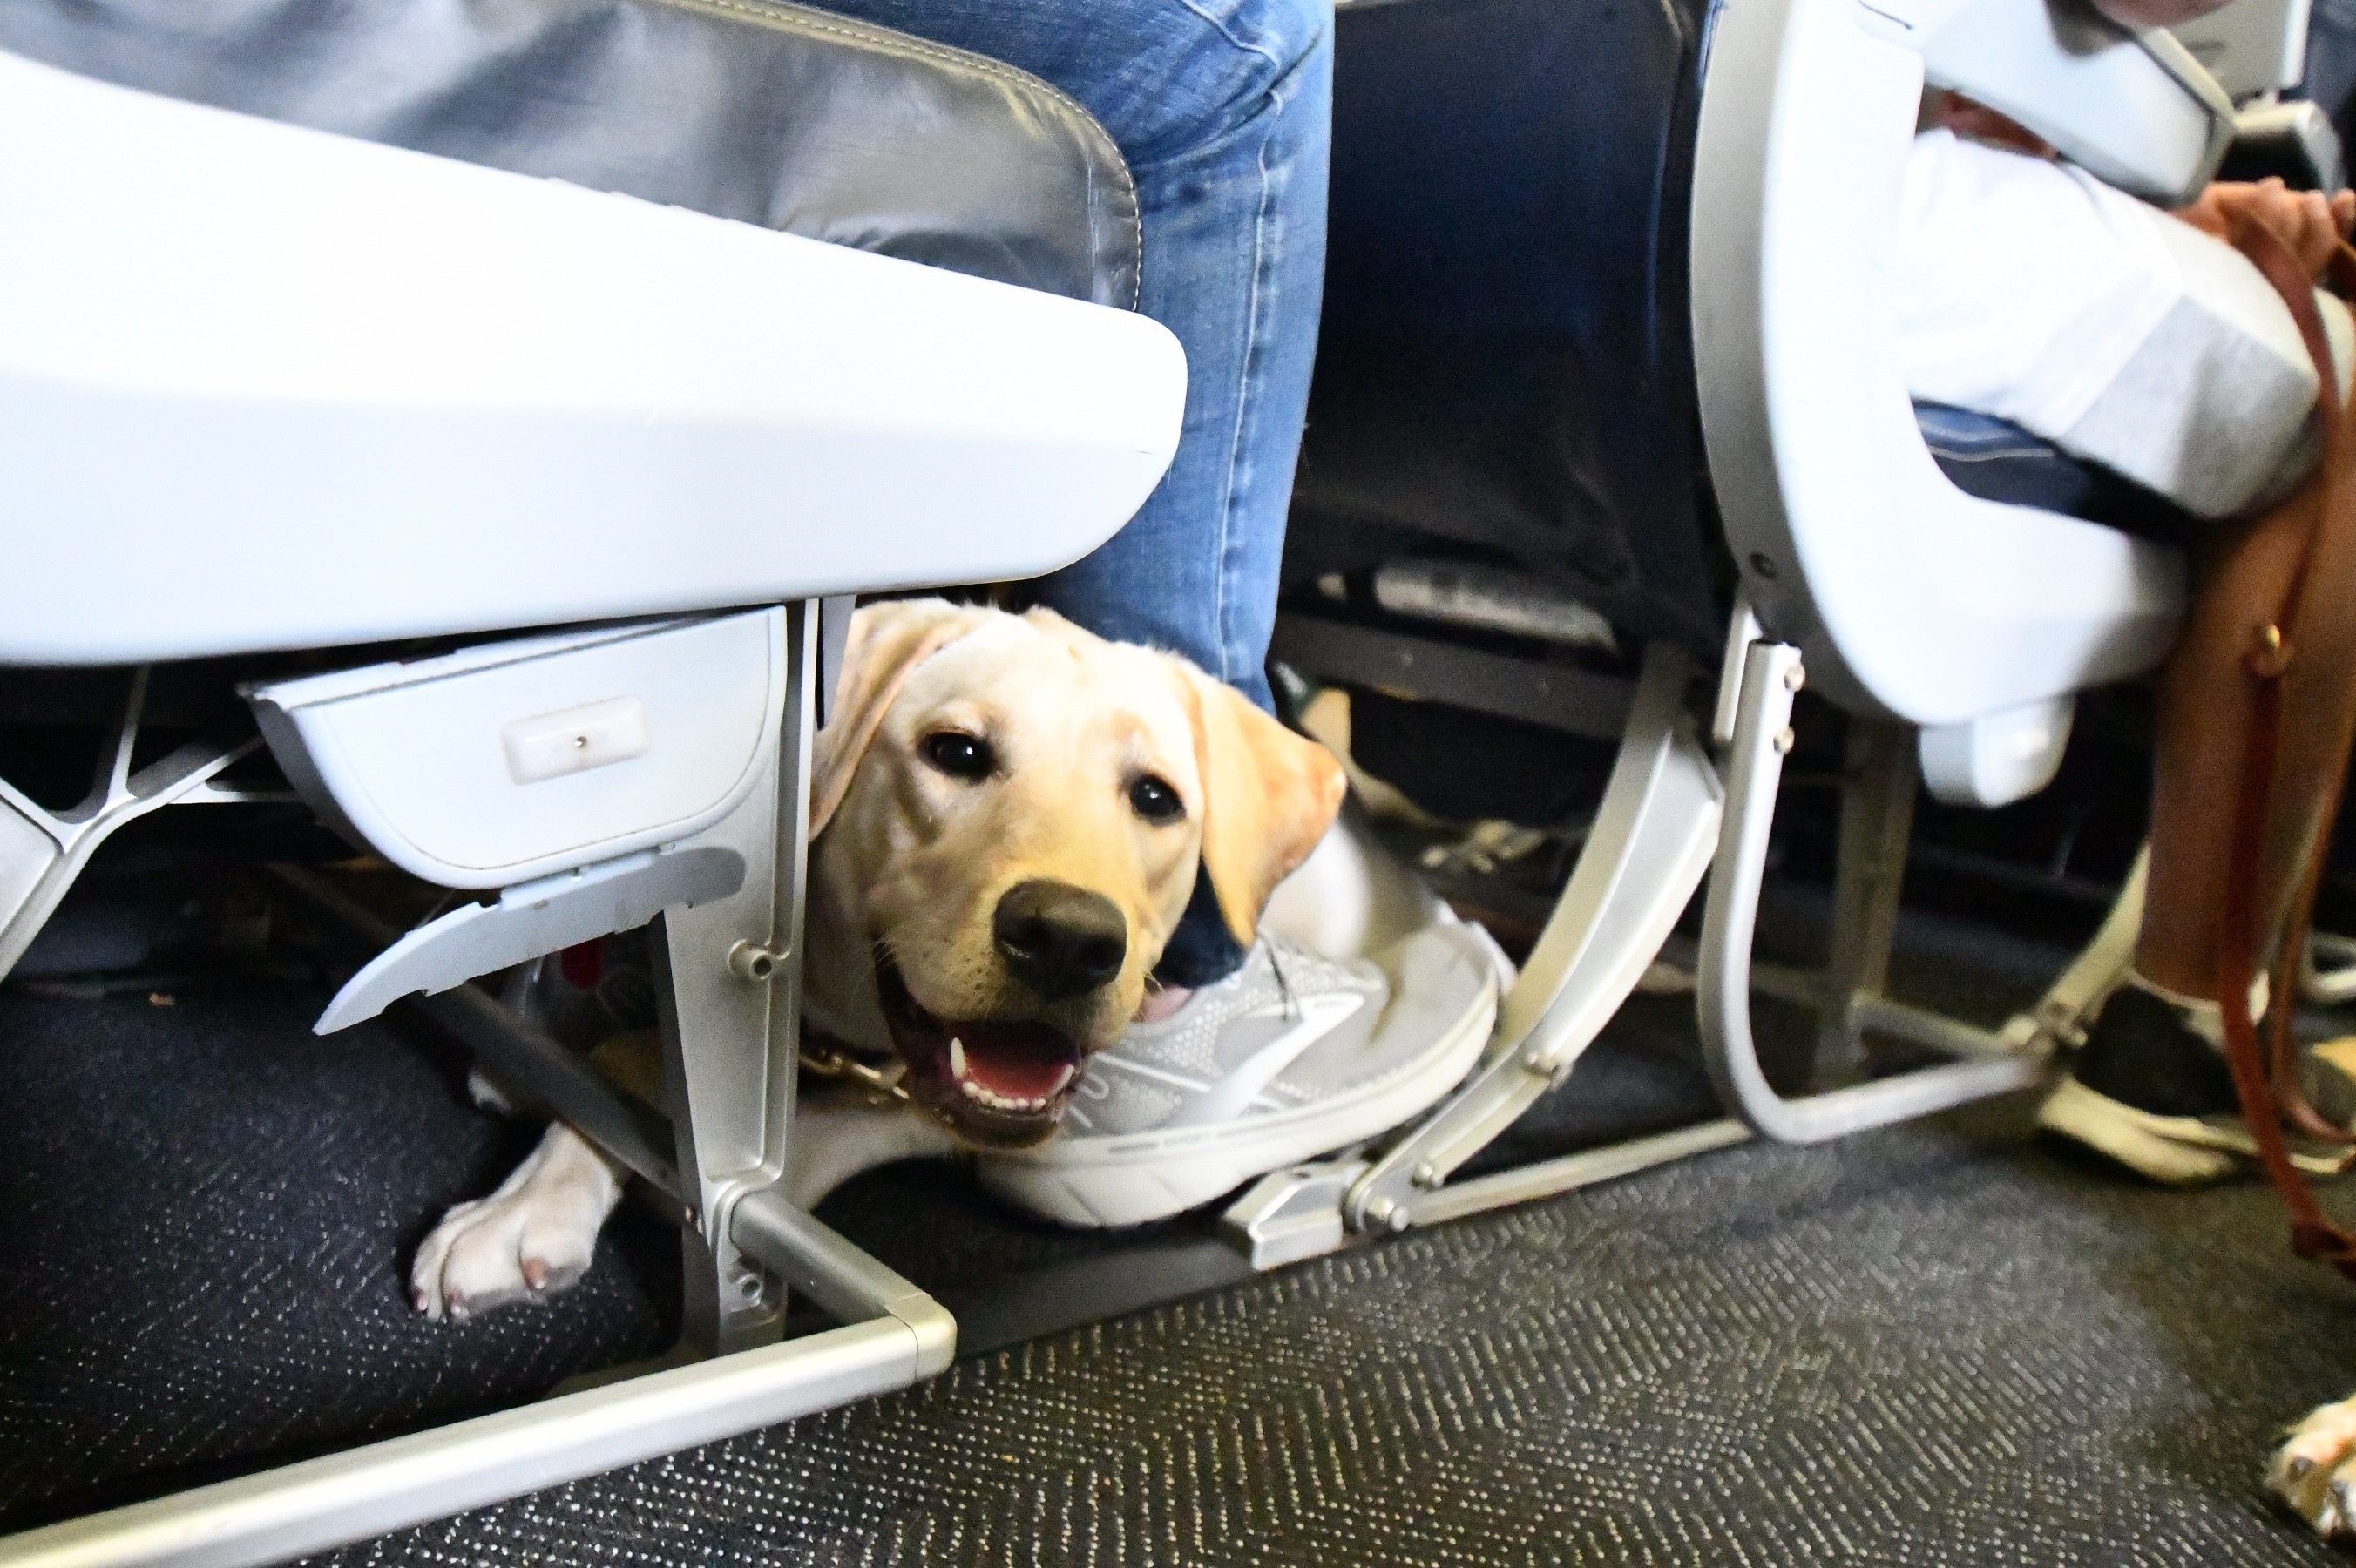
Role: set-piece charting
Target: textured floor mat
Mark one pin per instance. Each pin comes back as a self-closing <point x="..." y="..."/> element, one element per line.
<point x="204" y="1212"/>
<point x="1939" y="1344"/>
<point x="1930" y="1345"/>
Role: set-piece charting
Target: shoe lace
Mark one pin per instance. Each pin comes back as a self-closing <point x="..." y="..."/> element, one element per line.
<point x="1284" y="983"/>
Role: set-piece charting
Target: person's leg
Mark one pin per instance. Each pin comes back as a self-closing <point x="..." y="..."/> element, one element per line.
<point x="2152" y="1064"/>
<point x="1223" y="109"/>
<point x="2203" y="721"/>
<point x="1235" y="264"/>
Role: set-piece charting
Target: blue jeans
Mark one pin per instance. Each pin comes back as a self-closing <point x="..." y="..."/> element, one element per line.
<point x="1224" y="110"/>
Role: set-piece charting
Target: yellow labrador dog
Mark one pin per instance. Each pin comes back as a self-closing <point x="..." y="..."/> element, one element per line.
<point x="2314" y="1470"/>
<point x="1009" y="814"/>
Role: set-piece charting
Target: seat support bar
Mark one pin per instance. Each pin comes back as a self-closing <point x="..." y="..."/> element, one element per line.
<point x="728" y="978"/>
<point x="1646" y="851"/>
<point x="1772" y="676"/>
<point x="42" y="852"/>
<point x="895" y="1335"/>
<point x="1877" y="787"/>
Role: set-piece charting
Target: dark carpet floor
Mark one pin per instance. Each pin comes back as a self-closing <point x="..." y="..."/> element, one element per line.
<point x="1940" y="1344"/>
<point x="1927" y="1345"/>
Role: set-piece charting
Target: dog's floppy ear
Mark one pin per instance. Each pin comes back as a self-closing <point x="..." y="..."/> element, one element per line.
<point x="1269" y="795"/>
<point x="887" y="641"/>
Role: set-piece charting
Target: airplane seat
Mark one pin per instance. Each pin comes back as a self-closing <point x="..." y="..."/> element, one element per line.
<point x="1611" y="337"/>
<point x="1505" y="369"/>
<point x="1574" y="334"/>
<point x="490" y="412"/>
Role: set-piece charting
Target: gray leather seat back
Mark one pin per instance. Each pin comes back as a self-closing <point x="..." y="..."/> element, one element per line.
<point x="773" y="114"/>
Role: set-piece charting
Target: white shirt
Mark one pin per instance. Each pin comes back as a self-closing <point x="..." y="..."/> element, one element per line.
<point x="2029" y="290"/>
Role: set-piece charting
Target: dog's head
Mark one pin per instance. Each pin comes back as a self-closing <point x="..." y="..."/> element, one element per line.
<point x="1018" y="809"/>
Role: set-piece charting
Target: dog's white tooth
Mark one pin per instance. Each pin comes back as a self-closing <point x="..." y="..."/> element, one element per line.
<point x="957" y="1059"/>
<point x="1063" y="1076"/>
<point x="983" y="1095"/>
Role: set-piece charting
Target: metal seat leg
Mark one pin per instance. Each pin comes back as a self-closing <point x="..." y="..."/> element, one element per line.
<point x="1877" y="788"/>
<point x="728" y="986"/>
<point x="1993" y="1063"/>
<point x="1664" y="819"/>
<point x="1650" y="843"/>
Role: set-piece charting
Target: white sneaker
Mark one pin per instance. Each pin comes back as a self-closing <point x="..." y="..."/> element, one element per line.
<point x="1292" y="1056"/>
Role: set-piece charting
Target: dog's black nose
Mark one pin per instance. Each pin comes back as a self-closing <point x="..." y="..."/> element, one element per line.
<point x="1059" y="939"/>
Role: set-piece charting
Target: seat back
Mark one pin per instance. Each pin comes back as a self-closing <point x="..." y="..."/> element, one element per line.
<point x="264" y="386"/>
<point x="1910" y="599"/>
<point x="801" y="121"/>
<point x="1503" y="363"/>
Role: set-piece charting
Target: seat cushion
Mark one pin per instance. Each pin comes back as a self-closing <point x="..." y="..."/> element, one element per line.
<point x="768" y="113"/>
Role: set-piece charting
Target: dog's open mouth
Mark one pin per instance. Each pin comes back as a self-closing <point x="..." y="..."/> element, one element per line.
<point x="1002" y="1082"/>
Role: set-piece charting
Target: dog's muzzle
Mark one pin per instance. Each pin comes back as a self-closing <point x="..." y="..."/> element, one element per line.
<point x="999" y="1081"/>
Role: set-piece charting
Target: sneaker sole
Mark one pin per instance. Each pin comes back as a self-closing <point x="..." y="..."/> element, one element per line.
<point x="1093" y="1183"/>
<point x="2165" y="1148"/>
<point x="2179" y="1151"/>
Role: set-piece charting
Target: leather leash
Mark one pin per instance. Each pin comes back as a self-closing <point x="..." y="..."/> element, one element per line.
<point x="2267" y="1096"/>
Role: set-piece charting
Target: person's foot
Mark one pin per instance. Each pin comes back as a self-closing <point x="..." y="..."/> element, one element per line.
<point x="1293" y="1055"/>
<point x="2150" y="1088"/>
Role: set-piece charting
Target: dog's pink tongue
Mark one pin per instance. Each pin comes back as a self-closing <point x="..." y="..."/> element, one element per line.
<point x="1020" y="1061"/>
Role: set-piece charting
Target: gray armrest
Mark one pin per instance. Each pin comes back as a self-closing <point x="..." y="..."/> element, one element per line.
<point x="767" y="113"/>
<point x="2134" y="110"/>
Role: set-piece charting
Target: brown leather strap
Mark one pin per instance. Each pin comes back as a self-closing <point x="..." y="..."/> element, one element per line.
<point x="2290" y="1094"/>
<point x="2265" y="1098"/>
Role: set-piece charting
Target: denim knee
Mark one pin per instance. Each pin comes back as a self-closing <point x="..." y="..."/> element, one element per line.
<point x="1221" y="66"/>
<point x="1284" y="32"/>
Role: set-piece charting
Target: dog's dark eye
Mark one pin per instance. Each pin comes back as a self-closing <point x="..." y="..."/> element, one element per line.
<point x="1155" y="801"/>
<point x="960" y="756"/>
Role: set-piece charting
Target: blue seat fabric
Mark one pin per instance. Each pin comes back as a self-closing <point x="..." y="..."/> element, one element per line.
<point x="1998" y="461"/>
<point x="1505" y="363"/>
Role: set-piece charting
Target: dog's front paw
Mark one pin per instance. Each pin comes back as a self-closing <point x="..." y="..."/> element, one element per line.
<point x="495" y="1252"/>
<point x="2314" y="1471"/>
<point x="531" y="1238"/>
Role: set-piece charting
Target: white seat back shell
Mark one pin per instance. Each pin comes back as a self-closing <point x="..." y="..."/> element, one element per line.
<point x="2251" y="46"/>
<point x="1999" y="758"/>
<point x="2142" y="115"/>
<point x="262" y="387"/>
<point x="497" y="765"/>
<point x="1910" y="599"/>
